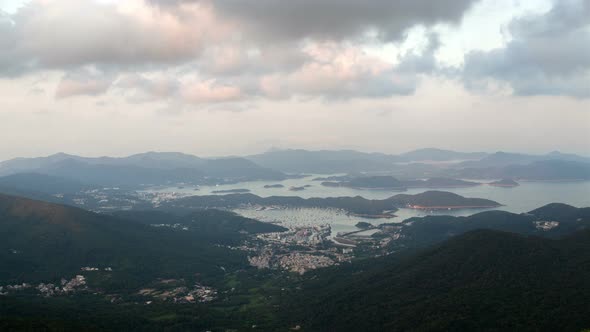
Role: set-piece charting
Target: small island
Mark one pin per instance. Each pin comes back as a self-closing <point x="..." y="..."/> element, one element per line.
<point x="297" y="188"/>
<point x="231" y="191"/>
<point x="333" y="178"/>
<point x="506" y="183"/>
<point x="441" y="200"/>
<point x="364" y="225"/>
<point x="278" y="185"/>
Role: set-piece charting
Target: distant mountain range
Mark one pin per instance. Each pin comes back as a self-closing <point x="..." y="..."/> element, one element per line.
<point x="349" y="161"/>
<point x="153" y="168"/>
<point x="346" y="161"/>
<point x="167" y="168"/>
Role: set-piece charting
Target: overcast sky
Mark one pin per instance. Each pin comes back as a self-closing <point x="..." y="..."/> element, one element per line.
<point x="106" y="77"/>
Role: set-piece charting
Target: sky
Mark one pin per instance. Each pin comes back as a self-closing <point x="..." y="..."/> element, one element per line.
<point x="237" y="77"/>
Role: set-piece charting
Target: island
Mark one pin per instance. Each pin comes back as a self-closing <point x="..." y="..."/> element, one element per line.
<point x="297" y="188"/>
<point x="278" y="185"/>
<point x="506" y="183"/>
<point x="231" y="191"/>
<point x="364" y="225"/>
<point x="441" y="200"/>
<point x="333" y="178"/>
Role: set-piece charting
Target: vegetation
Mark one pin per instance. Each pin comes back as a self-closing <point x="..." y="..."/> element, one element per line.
<point x="429" y="230"/>
<point x="42" y="242"/>
<point x="363" y="225"/>
<point x="441" y="199"/>
<point x="141" y="169"/>
<point x="471" y="279"/>
<point x="357" y="205"/>
<point x="482" y="280"/>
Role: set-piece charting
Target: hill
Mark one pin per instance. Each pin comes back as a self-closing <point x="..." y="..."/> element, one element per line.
<point x="356" y="205"/>
<point x="561" y="212"/>
<point x="552" y="220"/>
<point x="482" y="280"/>
<point x="41" y="183"/>
<point x="147" y="168"/>
<point x="440" y="200"/>
<point x="215" y="225"/>
<point x="504" y="183"/>
<point x="40" y="241"/>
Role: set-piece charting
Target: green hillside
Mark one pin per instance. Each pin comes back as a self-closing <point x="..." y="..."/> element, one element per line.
<point x="479" y="281"/>
<point x="41" y="241"/>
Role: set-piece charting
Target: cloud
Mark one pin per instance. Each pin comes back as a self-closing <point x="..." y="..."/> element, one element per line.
<point x="69" y="33"/>
<point x="278" y="20"/>
<point x="549" y="54"/>
<point x="204" y="51"/>
<point x="234" y="34"/>
<point x="138" y="88"/>
<point x="209" y="92"/>
<point x="216" y="51"/>
<point x="83" y="82"/>
<point x="337" y="71"/>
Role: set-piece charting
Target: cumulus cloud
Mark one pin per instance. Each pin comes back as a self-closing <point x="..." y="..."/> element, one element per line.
<point x="332" y="19"/>
<point x="225" y="49"/>
<point x="205" y="51"/>
<point x="549" y="54"/>
<point x="65" y="33"/>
